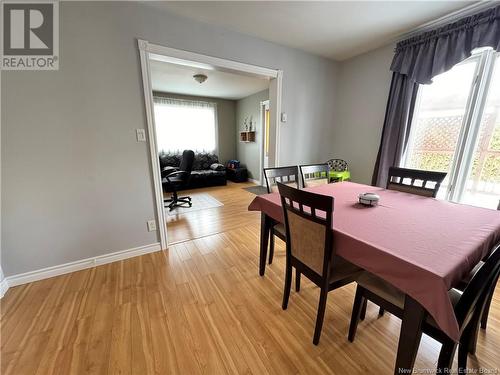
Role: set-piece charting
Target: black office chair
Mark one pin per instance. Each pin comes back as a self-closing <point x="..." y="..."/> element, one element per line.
<point x="174" y="179"/>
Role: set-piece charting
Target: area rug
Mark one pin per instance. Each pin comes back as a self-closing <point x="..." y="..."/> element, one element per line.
<point x="201" y="201"/>
<point x="257" y="190"/>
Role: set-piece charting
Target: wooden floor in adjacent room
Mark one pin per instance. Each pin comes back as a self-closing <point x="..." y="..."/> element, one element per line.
<point x="233" y="213"/>
<point x="201" y="308"/>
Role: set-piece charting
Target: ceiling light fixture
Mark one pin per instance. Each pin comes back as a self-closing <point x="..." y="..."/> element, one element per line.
<point x="200" y="78"/>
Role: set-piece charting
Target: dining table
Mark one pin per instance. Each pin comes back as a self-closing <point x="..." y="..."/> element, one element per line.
<point x="423" y="246"/>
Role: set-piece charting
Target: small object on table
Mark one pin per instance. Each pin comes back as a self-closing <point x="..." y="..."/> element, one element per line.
<point x="368" y="199"/>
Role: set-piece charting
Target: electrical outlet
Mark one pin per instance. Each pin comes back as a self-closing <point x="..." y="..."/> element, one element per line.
<point x="151" y="225"/>
<point x="141" y="135"/>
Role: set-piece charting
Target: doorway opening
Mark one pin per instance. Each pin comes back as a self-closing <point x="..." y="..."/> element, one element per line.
<point x="219" y="110"/>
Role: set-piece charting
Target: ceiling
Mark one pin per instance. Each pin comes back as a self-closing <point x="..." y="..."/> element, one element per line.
<point x="178" y="79"/>
<point x="337" y="30"/>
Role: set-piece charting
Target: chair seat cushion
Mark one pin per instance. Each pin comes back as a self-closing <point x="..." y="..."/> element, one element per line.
<point x="171" y="183"/>
<point x="463" y="283"/>
<point x="342" y="269"/>
<point x="393" y="295"/>
<point x="175" y="184"/>
<point x="382" y="289"/>
<point x="279" y="230"/>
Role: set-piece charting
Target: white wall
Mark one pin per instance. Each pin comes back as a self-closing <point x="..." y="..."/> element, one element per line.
<point x="76" y="184"/>
<point x="3" y="284"/>
<point x="362" y="92"/>
<point x="249" y="153"/>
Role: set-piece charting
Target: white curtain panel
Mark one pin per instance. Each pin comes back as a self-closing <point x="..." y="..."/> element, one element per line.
<point x="185" y="125"/>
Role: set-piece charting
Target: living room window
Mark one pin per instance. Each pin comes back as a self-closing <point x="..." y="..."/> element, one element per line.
<point x="185" y="125"/>
<point x="456" y="129"/>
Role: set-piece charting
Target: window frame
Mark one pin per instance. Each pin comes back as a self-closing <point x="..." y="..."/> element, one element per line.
<point x="193" y="102"/>
<point x="463" y="155"/>
<point x="470" y="130"/>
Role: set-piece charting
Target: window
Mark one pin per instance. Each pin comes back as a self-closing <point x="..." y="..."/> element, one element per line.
<point x="185" y="125"/>
<point x="456" y="129"/>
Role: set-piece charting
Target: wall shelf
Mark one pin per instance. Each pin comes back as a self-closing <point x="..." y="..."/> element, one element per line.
<point x="247" y="136"/>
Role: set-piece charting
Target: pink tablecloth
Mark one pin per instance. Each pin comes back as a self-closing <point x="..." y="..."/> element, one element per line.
<point x="422" y="246"/>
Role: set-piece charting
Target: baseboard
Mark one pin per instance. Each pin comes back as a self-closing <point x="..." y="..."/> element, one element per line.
<point x="4" y="287"/>
<point x="256" y="182"/>
<point x="78" y="265"/>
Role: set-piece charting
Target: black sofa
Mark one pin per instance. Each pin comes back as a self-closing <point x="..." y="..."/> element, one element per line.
<point x="201" y="175"/>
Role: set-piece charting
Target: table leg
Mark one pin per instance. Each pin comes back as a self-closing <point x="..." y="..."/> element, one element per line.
<point x="409" y="337"/>
<point x="265" y="230"/>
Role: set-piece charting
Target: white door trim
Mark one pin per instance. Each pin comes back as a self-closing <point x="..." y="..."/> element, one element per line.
<point x="153" y="149"/>
<point x="178" y="56"/>
<point x="279" y="86"/>
<point x="262" y="137"/>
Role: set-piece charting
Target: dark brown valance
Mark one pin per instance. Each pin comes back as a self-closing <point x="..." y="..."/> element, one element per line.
<point x="434" y="52"/>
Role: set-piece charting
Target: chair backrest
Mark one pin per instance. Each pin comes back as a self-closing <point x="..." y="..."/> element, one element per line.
<point x="337" y="165"/>
<point x="285" y="175"/>
<point x="187" y="161"/>
<point x="309" y="236"/>
<point x="477" y="290"/>
<point x="314" y="174"/>
<point x="414" y="181"/>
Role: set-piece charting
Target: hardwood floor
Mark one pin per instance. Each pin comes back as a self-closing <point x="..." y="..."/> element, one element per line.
<point x="233" y="213"/>
<point x="201" y="308"/>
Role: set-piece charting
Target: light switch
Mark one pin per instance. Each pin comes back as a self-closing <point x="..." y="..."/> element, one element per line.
<point x="141" y="135"/>
<point x="151" y="225"/>
<point x="284" y="116"/>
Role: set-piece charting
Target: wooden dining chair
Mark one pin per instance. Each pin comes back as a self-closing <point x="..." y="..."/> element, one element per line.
<point x="465" y="282"/>
<point x="414" y="181"/>
<point x="308" y="225"/>
<point x="287" y="175"/>
<point x="468" y="307"/>
<point x="314" y="174"/>
<point x="486" y="309"/>
<point x="438" y="178"/>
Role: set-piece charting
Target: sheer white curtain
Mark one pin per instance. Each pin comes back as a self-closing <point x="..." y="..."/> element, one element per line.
<point x="185" y="125"/>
